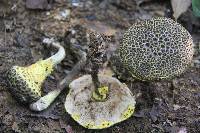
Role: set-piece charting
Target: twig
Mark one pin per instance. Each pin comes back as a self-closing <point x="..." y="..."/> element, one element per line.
<point x="74" y="72"/>
<point x="5" y="34"/>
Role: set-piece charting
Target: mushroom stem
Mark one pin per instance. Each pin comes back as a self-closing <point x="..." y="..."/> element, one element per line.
<point x="101" y="92"/>
<point x="95" y="79"/>
<point x="46" y="100"/>
<point x="96" y="57"/>
<point x="59" y="56"/>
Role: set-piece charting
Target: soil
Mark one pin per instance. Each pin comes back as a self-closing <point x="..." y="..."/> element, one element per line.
<point x="163" y="106"/>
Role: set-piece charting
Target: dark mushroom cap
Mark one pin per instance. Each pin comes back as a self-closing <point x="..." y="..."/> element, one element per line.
<point x="158" y="48"/>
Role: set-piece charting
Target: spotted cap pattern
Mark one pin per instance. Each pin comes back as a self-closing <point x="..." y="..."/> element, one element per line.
<point x="158" y="48"/>
<point x="25" y="82"/>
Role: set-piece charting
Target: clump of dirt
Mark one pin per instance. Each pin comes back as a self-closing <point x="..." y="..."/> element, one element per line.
<point x="163" y="106"/>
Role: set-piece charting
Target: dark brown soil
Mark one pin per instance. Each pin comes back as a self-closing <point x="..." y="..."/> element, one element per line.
<point x="163" y="106"/>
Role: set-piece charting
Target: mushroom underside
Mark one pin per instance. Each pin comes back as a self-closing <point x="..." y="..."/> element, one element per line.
<point x="92" y="114"/>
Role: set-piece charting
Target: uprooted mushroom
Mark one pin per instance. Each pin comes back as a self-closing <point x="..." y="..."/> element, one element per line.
<point x="25" y="82"/>
<point x="98" y="101"/>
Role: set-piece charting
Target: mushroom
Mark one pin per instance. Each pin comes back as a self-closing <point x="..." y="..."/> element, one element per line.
<point x="98" y="101"/>
<point x="25" y="82"/>
<point x="118" y="106"/>
<point x="154" y="49"/>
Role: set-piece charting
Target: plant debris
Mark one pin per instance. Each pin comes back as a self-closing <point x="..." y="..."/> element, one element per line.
<point x="39" y="4"/>
<point x="24" y="25"/>
<point x="179" y="7"/>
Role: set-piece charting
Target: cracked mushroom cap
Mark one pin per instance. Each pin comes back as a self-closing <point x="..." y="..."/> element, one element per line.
<point x="158" y="48"/>
<point x="118" y="106"/>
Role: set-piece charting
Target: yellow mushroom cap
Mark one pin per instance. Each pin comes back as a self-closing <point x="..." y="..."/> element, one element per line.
<point x="25" y="82"/>
<point x="91" y="114"/>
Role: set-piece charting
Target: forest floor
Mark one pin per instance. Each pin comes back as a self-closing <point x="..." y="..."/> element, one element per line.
<point x="164" y="106"/>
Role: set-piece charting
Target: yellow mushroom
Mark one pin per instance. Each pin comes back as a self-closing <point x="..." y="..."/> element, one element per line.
<point x="25" y="82"/>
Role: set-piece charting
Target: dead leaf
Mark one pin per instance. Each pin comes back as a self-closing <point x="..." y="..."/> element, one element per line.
<point x="96" y="26"/>
<point x="38" y="4"/>
<point x="139" y="2"/>
<point x="15" y="128"/>
<point x="69" y="129"/>
<point x="179" y="7"/>
<point x="154" y="113"/>
<point x="182" y="130"/>
<point x="100" y="27"/>
<point x="54" y="28"/>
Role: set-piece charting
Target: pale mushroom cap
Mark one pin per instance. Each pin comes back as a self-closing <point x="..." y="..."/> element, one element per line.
<point x="119" y="105"/>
